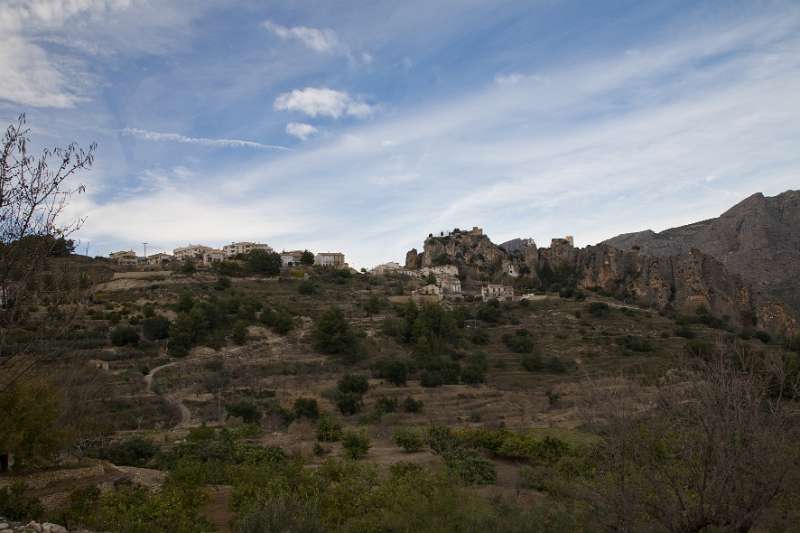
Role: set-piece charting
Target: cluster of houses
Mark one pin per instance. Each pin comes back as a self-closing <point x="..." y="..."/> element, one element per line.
<point x="207" y="256"/>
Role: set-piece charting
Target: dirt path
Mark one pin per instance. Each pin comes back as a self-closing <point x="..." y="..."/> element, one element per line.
<point x="172" y="399"/>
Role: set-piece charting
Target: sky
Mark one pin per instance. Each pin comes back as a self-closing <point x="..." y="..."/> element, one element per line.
<point x="362" y="127"/>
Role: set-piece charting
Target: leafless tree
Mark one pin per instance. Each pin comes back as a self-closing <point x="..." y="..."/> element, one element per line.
<point x="34" y="190"/>
<point x="713" y="449"/>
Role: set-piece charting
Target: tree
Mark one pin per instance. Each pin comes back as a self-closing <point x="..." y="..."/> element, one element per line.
<point x="34" y="191"/>
<point x="307" y="258"/>
<point x="264" y="262"/>
<point x="124" y="335"/>
<point x="155" y="328"/>
<point x="713" y="454"/>
<point x="31" y="431"/>
<point x="356" y="444"/>
<point x="333" y="335"/>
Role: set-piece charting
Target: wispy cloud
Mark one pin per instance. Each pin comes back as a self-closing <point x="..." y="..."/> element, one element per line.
<point x="300" y="130"/>
<point x="321" y="101"/>
<point x="178" y="138"/>
<point x="319" y="40"/>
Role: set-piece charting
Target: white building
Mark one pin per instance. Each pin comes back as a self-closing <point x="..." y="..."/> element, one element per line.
<point x="213" y="256"/>
<point x="494" y="291"/>
<point x="291" y="259"/>
<point x="159" y="259"/>
<point x="125" y="257"/>
<point x="236" y="248"/>
<point x="330" y="259"/>
<point x="386" y="268"/>
<point x="194" y="252"/>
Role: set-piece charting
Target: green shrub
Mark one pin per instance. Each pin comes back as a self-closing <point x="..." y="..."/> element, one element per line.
<point x="155" y="328"/>
<point x="411" y="405"/>
<point x="135" y="451"/>
<point x="280" y="321"/>
<point x="520" y="341"/>
<point x="431" y="378"/>
<point x="264" y="262"/>
<point x="598" y="309"/>
<point x="353" y="383"/>
<point x="306" y="408"/>
<point x="356" y="444"/>
<point x="328" y="429"/>
<point x="349" y="403"/>
<point x="409" y="439"/>
<point x="333" y="335"/>
<point x="394" y="371"/>
<point x="385" y="405"/>
<point x="474" y="370"/>
<point x="307" y="287"/>
<point x="532" y="362"/>
<point x="793" y="344"/>
<point x="480" y="337"/>
<point x="763" y="336"/>
<point x="470" y="466"/>
<point x="223" y="282"/>
<point x="635" y="343"/>
<point x="699" y="348"/>
<point x="684" y="331"/>
<point x="16" y="505"/>
<point x="247" y="411"/>
<point x="124" y="335"/>
<point x="239" y="333"/>
<point x="280" y="515"/>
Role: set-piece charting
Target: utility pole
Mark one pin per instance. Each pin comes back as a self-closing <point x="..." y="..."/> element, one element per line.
<point x="145" y="249"/>
<point x="87" y="248"/>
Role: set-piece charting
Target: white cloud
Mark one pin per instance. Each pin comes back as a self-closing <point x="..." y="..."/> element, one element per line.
<point x="324" y="40"/>
<point x="178" y="138"/>
<point x="314" y="101"/>
<point x="508" y="79"/>
<point x="300" y="130"/>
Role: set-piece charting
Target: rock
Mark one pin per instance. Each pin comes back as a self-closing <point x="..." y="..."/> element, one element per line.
<point x="47" y="527"/>
<point x="33" y="526"/>
<point x="3" y="525"/>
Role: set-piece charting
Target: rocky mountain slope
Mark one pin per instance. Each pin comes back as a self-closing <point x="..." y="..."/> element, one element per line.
<point x="743" y="265"/>
<point x="758" y="239"/>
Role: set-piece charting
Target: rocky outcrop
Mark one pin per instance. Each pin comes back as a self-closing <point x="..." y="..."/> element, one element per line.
<point x="717" y="263"/>
<point x="412" y="259"/>
<point x="757" y="240"/>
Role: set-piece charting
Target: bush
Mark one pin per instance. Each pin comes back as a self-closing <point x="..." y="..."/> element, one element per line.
<point x="155" y="328"/>
<point x="532" y="362"/>
<point x="223" y="282"/>
<point x="306" y="408"/>
<point x="328" y="429"/>
<point x="684" y="331"/>
<point x="410" y="439"/>
<point x="520" y="342"/>
<point x="394" y="371"/>
<point x="264" y="262"/>
<point x="135" y="451"/>
<point x="239" y="333"/>
<point x="793" y="344"/>
<point x="699" y="348"/>
<point x="353" y="383"/>
<point x="16" y="505"/>
<point x="333" y="335"/>
<point x="556" y="365"/>
<point x="307" y="287"/>
<point x="470" y="466"/>
<point x="474" y="371"/>
<point x="431" y="378"/>
<point x="349" y="403"/>
<point x="385" y="405"/>
<point x="280" y="321"/>
<point x="410" y="405"/>
<point x="247" y="411"/>
<point x="356" y="444"/>
<point x="598" y="309"/>
<point x="278" y="514"/>
<point x="635" y="343"/>
<point x="479" y="337"/>
<point x="124" y="335"/>
<point x="763" y="336"/>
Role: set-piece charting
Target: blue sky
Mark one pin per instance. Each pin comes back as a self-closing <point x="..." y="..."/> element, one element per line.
<point x="362" y="127"/>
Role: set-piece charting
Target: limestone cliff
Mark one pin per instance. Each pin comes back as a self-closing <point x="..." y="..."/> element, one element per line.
<point x="658" y="270"/>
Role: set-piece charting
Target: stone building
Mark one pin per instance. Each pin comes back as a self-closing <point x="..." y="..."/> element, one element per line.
<point x="330" y="259"/>
<point x="496" y="291"/>
<point x="159" y="259"/>
<point x="386" y="268"/>
<point x="125" y="257"/>
<point x="236" y="248"/>
<point x="194" y="252"/>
